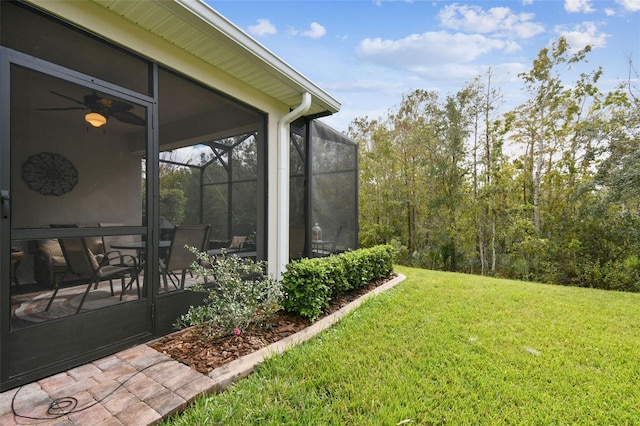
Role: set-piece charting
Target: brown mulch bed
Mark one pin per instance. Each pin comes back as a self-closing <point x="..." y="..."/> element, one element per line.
<point x="205" y="355"/>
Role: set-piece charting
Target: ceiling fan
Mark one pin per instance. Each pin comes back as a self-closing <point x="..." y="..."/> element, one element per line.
<point x="100" y="109"/>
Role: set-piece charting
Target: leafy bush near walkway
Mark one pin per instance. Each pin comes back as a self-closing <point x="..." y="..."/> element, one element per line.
<point x="309" y="284"/>
<point x="240" y="294"/>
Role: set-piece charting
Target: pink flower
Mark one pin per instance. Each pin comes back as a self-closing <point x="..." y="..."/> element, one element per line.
<point x="237" y="331"/>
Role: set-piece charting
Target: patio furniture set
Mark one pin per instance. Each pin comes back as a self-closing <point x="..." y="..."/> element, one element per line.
<point x="90" y="261"/>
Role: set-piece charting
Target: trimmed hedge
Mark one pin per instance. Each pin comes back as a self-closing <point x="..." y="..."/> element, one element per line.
<point x="310" y="284"/>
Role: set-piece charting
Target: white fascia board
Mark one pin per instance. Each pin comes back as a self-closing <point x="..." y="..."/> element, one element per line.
<point x="212" y="18"/>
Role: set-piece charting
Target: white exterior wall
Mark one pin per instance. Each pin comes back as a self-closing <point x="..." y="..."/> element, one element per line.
<point x="92" y="196"/>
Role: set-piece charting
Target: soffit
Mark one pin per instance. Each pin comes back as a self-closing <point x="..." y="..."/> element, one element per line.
<point x="199" y="30"/>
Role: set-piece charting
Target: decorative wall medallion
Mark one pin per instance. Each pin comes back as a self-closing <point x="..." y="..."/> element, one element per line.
<point x="49" y="174"/>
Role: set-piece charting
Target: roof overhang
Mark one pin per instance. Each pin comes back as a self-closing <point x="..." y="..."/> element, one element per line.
<point x="202" y="32"/>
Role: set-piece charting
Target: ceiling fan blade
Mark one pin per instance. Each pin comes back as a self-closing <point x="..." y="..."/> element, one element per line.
<point x="113" y="104"/>
<point x="60" y="109"/>
<point x="67" y="97"/>
<point x="126" y="117"/>
<point x="108" y="107"/>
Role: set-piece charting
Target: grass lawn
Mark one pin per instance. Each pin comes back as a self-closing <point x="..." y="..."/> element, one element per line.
<point x="457" y="349"/>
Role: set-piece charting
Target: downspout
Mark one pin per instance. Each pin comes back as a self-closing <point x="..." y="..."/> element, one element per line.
<point x="282" y="243"/>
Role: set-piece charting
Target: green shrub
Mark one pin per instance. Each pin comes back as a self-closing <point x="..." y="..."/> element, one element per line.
<point x="240" y="294"/>
<point x="309" y="284"/>
<point x="402" y="255"/>
<point x="335" y="270"/>
<point x="382" y="257"/>
<point x="359" y="267"/>
<point x="306" y="287"/>
<point x="620" y="275"/>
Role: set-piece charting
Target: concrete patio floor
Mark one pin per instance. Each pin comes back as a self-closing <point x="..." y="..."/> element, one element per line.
<point x="138" y="386"/>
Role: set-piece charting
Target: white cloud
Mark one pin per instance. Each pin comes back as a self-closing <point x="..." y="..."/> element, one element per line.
<point x="525" y="30"/>
<point x="630" y="5"/>
<point x="609" y="12"/>
<point x="500" y="20"/>
<point x="578" y="6"/>
<point x="263" y="27"/>
<point x="315" y="31"/>
<point x="431" y="48"/>
<point x="583" y="34"/>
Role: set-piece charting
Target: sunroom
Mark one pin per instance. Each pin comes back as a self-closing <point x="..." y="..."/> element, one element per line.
<point x="127" y="131"/>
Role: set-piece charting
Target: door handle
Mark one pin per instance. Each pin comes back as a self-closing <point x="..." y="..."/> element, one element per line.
<point x="4" y="198"/>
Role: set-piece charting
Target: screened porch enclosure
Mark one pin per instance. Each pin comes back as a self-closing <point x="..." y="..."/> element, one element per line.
<point x="119" y="143"/>
<point x="88" y="237"/>
<point x="323" y="198"/>
<point x="218" y="181"/>
<point x="215" y="183"/>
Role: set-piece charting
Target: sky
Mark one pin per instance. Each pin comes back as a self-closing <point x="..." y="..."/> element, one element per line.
<point x="369" y="53"/>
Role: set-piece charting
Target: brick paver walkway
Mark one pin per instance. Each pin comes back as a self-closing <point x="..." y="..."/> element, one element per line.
<point x="138" y="386"/>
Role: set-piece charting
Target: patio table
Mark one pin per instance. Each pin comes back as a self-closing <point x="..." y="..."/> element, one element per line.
<point x="321" y="247"/>
<point x="139" y="247"/>
<point x="321" y="244"/>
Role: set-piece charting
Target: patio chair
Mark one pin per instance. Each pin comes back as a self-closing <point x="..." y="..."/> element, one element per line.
<point x="83" y="263"/>
<point x="108" y="241"/>
<point x="238" y="243"/>
<point x="178" y="257"/>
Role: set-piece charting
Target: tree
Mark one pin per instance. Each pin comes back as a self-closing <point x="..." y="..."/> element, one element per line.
<point x="544" y="119"/>
<point x="415" y="128"/>
<point x="556" y="126"/>
<point x="173" y="200"/>
<point x="435" y="179"/>
<point x="450" y="172"/>
<point x="486" y="164"/>
<point x="377" y="180"/>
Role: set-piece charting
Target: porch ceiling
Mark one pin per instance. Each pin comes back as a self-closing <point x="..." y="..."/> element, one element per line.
<point x="202" y="32"/>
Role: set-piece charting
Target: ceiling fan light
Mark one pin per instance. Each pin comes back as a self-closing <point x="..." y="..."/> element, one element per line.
<point x="95" y="119"/>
